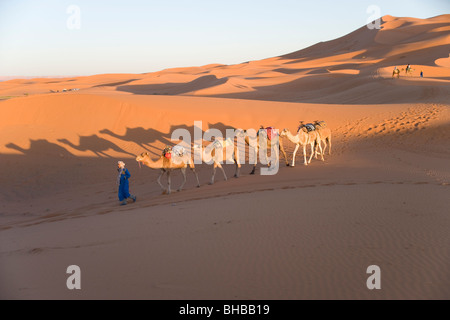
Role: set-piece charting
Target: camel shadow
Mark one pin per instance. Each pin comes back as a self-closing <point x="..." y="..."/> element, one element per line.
<point x="41" y="147"/>
<point x="96" y="145"/>
<point x="146" y="138"/>
<point x="142" y="137"/>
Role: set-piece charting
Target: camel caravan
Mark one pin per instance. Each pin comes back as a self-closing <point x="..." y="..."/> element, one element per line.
<point x="315" y="134"/>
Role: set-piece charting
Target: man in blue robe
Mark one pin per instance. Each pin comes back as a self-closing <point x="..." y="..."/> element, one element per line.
<point x="122" y="181"/>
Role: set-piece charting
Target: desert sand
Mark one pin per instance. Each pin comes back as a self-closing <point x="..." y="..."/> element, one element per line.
<point x="308" y="232"/>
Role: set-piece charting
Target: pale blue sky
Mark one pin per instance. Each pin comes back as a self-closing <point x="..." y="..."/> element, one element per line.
<point x="137" y="36"/>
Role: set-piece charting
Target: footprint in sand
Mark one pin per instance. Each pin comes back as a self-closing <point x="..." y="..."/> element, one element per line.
<point x="36" y="251"/>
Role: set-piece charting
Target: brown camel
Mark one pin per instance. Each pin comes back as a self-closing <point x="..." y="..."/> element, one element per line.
<point x="263" y="135"/>
<point x="303" y="138"/>
<point x="176" y="162"/>
<point x="325" y="135"/>
<point x="218" y="152"/>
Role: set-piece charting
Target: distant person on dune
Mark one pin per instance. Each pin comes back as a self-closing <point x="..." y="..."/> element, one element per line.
<point x="122" y="181"/>
<point x="408" y="68"/>
<point x="421" y="73"/>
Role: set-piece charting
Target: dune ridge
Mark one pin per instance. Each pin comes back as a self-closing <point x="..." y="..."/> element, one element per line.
<point x="362" y="58"/>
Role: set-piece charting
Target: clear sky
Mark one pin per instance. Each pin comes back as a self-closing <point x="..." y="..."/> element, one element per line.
<point x="43" y="37"/>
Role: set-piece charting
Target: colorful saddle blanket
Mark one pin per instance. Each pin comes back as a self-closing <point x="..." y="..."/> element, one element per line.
<point x="269" y="131"/>
<point x="167" y="152"/>
<point x="177" y="150"/>
<point x="307" y="127"/>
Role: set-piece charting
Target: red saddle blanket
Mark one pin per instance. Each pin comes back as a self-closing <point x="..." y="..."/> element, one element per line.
<point x="271" y="132"/>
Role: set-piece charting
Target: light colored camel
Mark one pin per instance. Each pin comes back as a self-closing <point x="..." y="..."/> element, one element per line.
<point x="176" y="162"/>
<point x="218" y="153"/>
<point x="325" y="136"/>
<point x="303" y="138"/>
<point x="262" y="135"/>
<point x="396" y="72"/>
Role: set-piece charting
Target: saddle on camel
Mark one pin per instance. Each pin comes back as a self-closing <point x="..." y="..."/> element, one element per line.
<point x="270" y="132"/>
<point x="177" y="150"/>
<point x="308" y="127"/>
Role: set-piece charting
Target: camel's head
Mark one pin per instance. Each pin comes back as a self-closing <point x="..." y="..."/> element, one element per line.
<point x="142" y="156"/>
<point x="283" y="132"/>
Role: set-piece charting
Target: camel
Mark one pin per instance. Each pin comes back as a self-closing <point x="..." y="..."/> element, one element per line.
<point x="218" y="145"/>
<point x="176" y="162"/>
<point x="303" y="138"/>
<point x="396" y="72"/>
<point x="408" y="71"/>
<point x="243" y="133"/>
<point x="325" y="135"/>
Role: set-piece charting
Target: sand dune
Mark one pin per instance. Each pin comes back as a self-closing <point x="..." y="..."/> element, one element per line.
<point x="308" y="232"/>
<point x="422" y="43"/>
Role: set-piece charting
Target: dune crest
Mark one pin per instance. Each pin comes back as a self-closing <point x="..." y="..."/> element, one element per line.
<point x="359" y="55"/>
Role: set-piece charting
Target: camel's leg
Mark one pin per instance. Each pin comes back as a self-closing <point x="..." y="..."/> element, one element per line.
<point x="191" y="165"/>
<point x="319" y="145"/>
<point x="255" y="152"/>
<point x="223" y="171"/>
<point x="265" y="154"/>
<point x="315" y="149"/>
<point x="214" y="173"/>
<point x="325" y="145"/>
<point x="238" y="170"/>
<point x="283" y="152"/>
<point x="304" y="155"/>
<point x="196" y="177"/>
<point x="293" y="155"/>
<point x="312" y="152"/>
<point x="329" y="145"/>
<point x="159" y="181"/>
<point x="168" y="182"/>
<point x="183" y="172"/>
<point x="238" y="165"/>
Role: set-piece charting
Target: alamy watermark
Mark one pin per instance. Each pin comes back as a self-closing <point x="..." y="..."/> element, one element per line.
<point x="74" y="20"/>
<point x="374" y="20"/>
<point x="374" y="281"/>
<point x="74" y="280"/>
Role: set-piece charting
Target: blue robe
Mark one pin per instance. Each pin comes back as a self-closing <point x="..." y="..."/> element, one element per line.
<point x="124" y="191"/>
